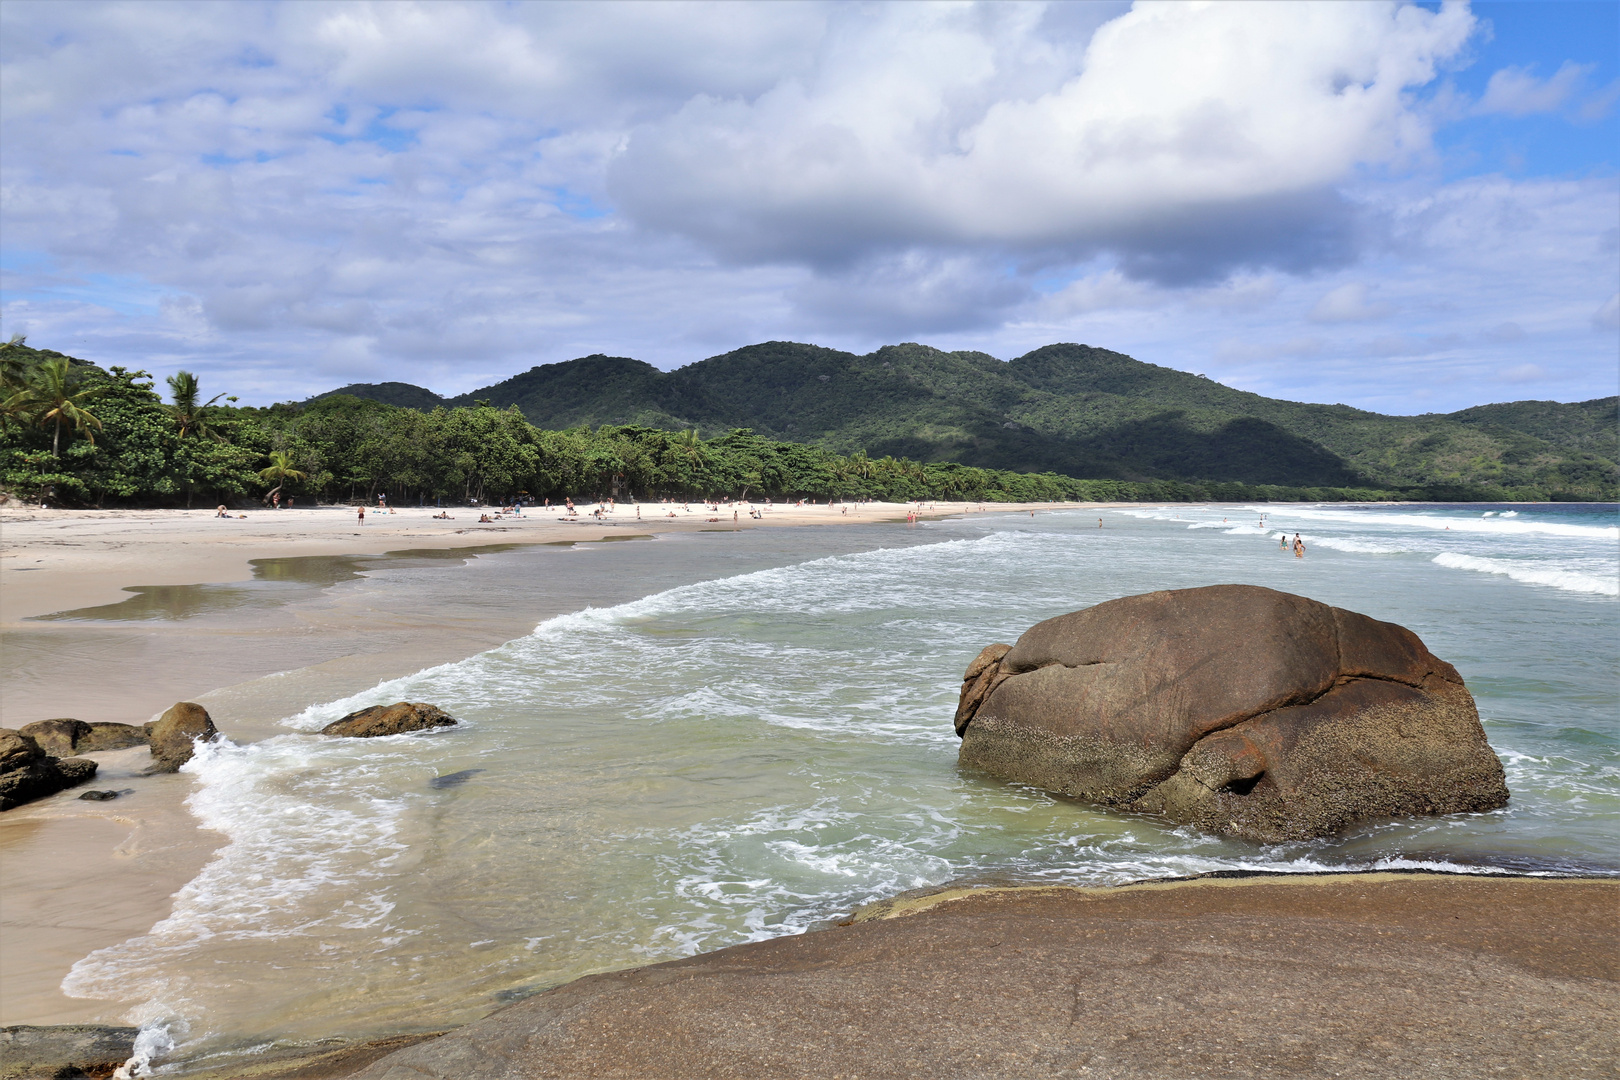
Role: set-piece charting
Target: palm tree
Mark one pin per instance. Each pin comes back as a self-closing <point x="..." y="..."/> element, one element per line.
<point x="692" y="455"/>
<point x="280" y="471"/>
<point x="190" y="417"/>
<point x="14" y="368"/>
<point x="689" y="445"/>
<point x="50" y="399"/>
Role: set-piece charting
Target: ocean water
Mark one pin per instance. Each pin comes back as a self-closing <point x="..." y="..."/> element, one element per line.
<point x="754" y="755"/>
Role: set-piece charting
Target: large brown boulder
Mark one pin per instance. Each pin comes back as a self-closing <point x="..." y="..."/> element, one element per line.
<point x="56" y="737"/>
<point x="395" y="719"/>
<point x="65" y="737"/>
<point x="28" y="773"/>
<point x="174" y="735"/>
<point x="1232" y="708"/>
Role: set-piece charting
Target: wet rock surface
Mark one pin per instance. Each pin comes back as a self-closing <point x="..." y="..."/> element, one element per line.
<point x="174" y="735"/>
<point x="396" y="719"/>
<point x="1233" y="708"/>
<point x="56" y="737"/>
<point x="67" y="1050"/>
<point x="109" y="736"/>
<point x="64" y="737"/>
<point x="1292" y="976"/>
<point x="28" y="773"/>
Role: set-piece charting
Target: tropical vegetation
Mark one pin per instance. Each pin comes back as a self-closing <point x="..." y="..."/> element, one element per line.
<point x="1076" y="410"/>
<point x="76" y="434"/>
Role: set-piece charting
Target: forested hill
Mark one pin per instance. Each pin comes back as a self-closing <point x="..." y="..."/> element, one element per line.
<point x="1075" y="410"/>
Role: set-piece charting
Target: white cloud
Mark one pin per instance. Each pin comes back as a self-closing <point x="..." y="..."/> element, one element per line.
<point x="1108" y="290"/>
<point x="1198" y="136"/>
<point x="1515" y="91"/>
<point x="1348" y="303"/>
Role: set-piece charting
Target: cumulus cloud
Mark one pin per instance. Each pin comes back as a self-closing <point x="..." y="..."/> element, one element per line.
<point x="1194" y="138"/>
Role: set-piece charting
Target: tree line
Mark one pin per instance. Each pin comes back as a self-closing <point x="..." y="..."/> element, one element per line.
<point x="75" y="434"/>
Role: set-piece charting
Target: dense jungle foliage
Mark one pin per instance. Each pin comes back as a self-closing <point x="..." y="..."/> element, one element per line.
<point x="1074" y="410"/>
<point x="79" y="435"/>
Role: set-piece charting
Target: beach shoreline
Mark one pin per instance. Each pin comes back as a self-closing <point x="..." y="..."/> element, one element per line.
<point x="129" y="857"/>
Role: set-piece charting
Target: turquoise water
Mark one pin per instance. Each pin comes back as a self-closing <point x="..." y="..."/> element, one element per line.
<point x="750" y="756"/>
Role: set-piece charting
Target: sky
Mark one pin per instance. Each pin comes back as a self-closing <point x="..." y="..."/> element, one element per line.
<point x="1403" y="207"/>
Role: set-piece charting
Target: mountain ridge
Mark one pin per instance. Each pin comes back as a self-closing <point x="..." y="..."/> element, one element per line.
<point x="1074" y="409"/>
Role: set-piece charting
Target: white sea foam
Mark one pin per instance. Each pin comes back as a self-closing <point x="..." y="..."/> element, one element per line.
<point x="1439" y="522"/>
<point x="1568" y="580"/>
<point x="1360" y="547"/>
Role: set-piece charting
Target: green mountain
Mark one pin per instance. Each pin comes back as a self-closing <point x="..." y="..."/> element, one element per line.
<point x="403" y="394"/>
<point x="1076" y="410"/>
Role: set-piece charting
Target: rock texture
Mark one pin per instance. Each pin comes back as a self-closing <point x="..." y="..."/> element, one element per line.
<point x="65" y="737"/>
<point x="395" y="719"/>
<point x="28" y="773"/>
<point x="174" y="735"/>
<point x="109" y="736"/>
<point x="67" y="1050"/>
<point x="1351" y="976"/>
<point x="56" y="737"/>
<point x="1232" y="708"/>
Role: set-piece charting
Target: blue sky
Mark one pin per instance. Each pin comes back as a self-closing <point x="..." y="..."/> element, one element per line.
<point x="1407" y="208"/>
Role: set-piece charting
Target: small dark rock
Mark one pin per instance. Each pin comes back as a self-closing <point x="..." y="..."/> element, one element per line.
<point x="395" y="719"/>
<point x="99" y="796"/>
<point x="174" y="735"/>
<point x="66" y="1050"/>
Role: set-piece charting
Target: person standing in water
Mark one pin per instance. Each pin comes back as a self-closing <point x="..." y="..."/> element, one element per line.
<point x="1299" y="547"/>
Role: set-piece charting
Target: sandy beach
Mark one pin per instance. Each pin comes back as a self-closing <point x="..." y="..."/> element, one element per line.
<point x="248" y="662"/>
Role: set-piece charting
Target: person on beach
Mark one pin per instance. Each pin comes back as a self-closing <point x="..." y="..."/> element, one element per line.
<point x="220" y="513"/>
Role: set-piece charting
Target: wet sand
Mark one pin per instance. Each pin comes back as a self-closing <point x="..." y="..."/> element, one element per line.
<point x="256" y="620"/>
